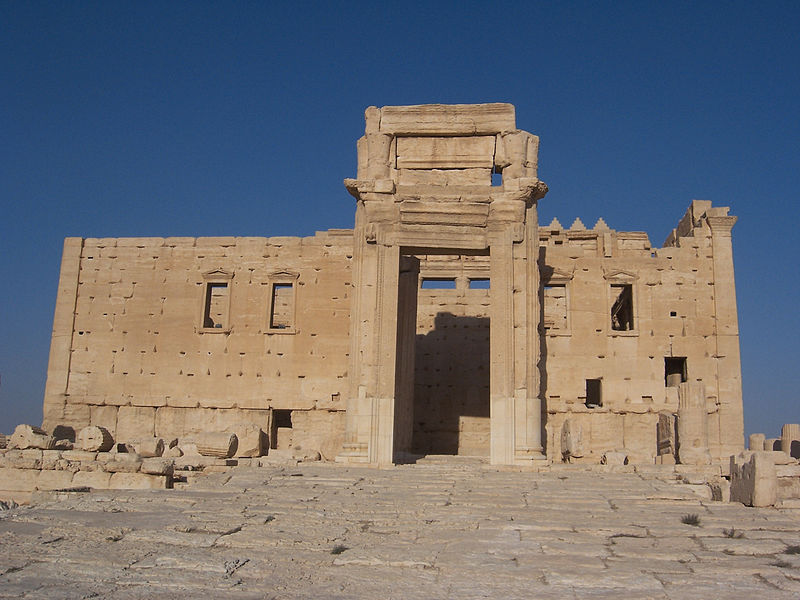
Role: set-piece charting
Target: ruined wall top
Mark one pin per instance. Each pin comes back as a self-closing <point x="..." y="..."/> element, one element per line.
<point x="447" y="151"/>
<point x="701" y="216"/>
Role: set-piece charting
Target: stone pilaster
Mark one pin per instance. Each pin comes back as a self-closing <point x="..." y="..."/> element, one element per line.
<point x="729" y="379"/>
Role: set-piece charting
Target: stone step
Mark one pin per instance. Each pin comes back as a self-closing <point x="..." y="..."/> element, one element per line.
<point x="452" y="460"/>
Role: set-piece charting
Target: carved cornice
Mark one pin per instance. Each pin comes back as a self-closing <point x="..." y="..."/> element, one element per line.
<point x="218" y="274"/>
<point x="359" y="187"/>
<point x="619" y="275"/>
<point x="550" y="274"/>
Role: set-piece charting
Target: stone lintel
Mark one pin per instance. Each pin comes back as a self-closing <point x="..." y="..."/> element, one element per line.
<point x="447" y="119"/>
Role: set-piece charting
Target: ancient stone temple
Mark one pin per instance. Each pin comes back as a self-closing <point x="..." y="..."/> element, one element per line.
<point x="447" y="321"/>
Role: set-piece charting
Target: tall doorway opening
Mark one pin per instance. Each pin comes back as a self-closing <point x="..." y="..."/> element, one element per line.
<point x="451" y="371"/>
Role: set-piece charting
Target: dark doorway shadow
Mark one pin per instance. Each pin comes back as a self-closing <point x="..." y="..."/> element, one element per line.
<point x="451" y="389"/>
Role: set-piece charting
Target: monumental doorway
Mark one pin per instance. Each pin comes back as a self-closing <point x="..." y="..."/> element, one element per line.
<point x="452" y="180"/>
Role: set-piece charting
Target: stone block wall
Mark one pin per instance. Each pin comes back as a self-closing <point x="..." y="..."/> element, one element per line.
<point x="175" y="336"/>
<point x="141" y="348"/>
<point x="669" y="335"/>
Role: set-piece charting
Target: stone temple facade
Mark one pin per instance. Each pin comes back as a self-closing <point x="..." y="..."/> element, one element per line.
<point x="447" y="321"/>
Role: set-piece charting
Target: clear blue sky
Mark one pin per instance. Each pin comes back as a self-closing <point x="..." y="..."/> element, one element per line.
<point x="240" y="118"/>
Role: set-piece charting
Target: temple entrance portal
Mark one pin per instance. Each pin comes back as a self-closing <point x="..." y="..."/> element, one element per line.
<point x="425" y="187"/>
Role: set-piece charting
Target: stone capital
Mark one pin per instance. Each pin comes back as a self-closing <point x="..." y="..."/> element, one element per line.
<point x="721" y="225"/>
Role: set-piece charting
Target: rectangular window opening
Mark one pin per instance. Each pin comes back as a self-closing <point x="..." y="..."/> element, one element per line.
<point x="497" y="177"/>
<point x="622" y="308"/>
<point x="555" y="306"/>
<point x="438" y="283"/>
<point x="216" y="306"/>
<point x="281" y="306"/>
<point x="675" y="371"/>
<point x="479" y="283"/>
<point x="594" y="393"/>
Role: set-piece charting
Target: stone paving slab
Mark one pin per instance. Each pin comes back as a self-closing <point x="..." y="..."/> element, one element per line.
<point x="416" y="531"/>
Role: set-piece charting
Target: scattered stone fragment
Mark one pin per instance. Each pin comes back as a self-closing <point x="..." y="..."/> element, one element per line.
<point x="251" y="441"/>
<point x="614" y="458"/>
<point x="27" y="436"/>
<point x="149" y="447"/>
<point x="173" y="452"/>
<point x="126" y="462"/>
<point x="158" y="466"/>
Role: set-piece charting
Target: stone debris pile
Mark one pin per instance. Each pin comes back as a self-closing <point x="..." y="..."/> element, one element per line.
<point x="35" y="460"/>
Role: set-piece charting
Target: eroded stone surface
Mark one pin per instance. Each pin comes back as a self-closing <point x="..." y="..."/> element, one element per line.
<point x="438" y="530"/>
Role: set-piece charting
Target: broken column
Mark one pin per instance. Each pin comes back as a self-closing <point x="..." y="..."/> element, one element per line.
<point x="94" y="439"/>
<point x="790" y="439"/>
<point x="692" y="424"/>
<point x="28" y="436"/>
<point x="217" y="444"/>
<point x="756" y="442"/>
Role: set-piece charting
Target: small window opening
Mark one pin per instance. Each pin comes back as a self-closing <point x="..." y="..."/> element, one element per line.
<point x="675" y="371"/>
<point x="479" y="283"/>
<point x="555" y="306"/>
<point x="438" y="283"/>
<point x="594" y="393"/>
<point x="673" y="313"/>
<point x="216" y="305"/>
<point x="622" y="309"/>
<point x="497" y="177"/>
<point x="281" y="308"/>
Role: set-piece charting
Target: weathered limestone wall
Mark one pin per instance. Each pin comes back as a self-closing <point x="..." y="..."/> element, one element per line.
<point x="675" y="314"/>
<point x="131" y="351"/>
<point x="140" y="363"/>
